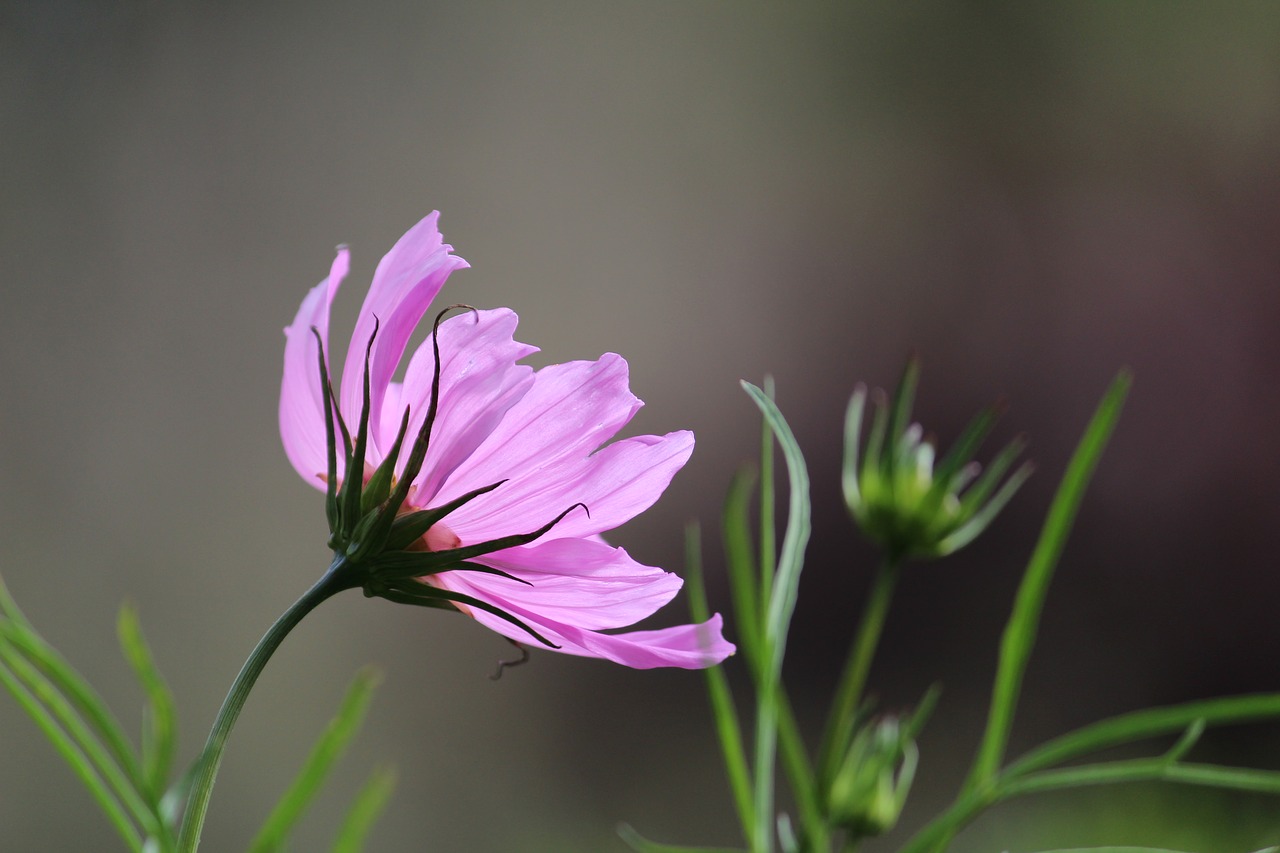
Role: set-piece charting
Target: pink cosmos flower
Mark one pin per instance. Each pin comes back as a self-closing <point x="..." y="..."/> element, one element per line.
<point x="498" y="509"/>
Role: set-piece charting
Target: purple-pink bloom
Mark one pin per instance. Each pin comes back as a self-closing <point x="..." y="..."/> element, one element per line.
<point x="542" y="434"/>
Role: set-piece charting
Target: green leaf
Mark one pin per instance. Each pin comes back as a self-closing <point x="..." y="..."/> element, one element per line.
<point x="768" y="557"/>
<point x="1149" y="723"/>
<point x="368" y="806"/>
<point x="315" y="771"/>
<point x="728" y="729"/>
<point x="781" y="603"/>
<point x="77" y="691"/>
<point x="735" y="525"/>
<point x="73" y="755"/>
<point x="159" y="735"/>
<point x="640" y="844"/>
<point x="1020" y="633"/>
<point x="77" y="722"/>
<point x="1157" y="769"/>
<point x="1116" y="850"/>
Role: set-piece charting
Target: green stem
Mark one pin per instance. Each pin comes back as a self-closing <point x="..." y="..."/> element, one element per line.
<point x="334" y="581"/>
<point x="935" y="836"/>
<point x="796" y="761"/>
<point x="857" y="667"/>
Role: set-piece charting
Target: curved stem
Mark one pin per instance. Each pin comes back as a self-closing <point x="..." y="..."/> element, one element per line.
<point x="331" y="583"/>
<point x="857" y="667"/>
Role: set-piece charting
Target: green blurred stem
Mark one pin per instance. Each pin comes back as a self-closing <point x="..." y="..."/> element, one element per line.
<point x="334" y="581"/>
<point x="935" y="837"/>
<point x="857" y="667"/>
<point x="799" y="772"/>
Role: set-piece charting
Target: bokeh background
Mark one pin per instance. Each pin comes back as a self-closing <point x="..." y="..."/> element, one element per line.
<point x="1030" y="196"/>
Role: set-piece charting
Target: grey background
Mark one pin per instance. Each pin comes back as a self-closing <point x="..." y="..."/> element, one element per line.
<point x="1028" y="195"/>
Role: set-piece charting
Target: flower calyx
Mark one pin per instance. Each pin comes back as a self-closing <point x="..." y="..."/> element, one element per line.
<point x="896" y="494"/>
<point x="871" y="785"/>
<point x="380" y="543"/>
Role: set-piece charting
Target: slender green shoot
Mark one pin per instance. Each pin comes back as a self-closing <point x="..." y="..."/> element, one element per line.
<point x="728" y="729"/>
<point x="768" y="516"/>
<point x="735" y="525"/>
<point x="78" y="693"/>
<point x="365" y="811"/>
<point x="159" y="733"/>
<point x="1020" y="633"/>
<point x="1145" y="724"/>
<point x="843" y="716"/>
<point x="326" y="752"/>
<point x="640" y="844"/>
<point x="54" y="704"/>
<point x="781" y="605"/>
<point x="72" y="753"/>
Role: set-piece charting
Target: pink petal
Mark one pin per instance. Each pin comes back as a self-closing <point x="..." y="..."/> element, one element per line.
<point x="571" y="410"/>
<point x="406" y="281"/>
<point x="695" y="646"/>
<point x="616" y="483"/>
<point x="301" y="399"/>
<point x="479" y="382"/>
<point x="574" y="582"/>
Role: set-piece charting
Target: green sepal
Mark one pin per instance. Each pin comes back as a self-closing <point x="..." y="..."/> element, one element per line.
<point x="948" y="471"/>
<point x="331" y="482"/>
<point x="366" y="538"/>
<point x="903" y="398"/>
<point x="924" y="710"/>
<point x="378" y="489"/>
<point x="406" y="564"/>
<point x="349" y="496"/>
<point x="430" y="596"/>
<point x="965" y="533"/>
<point x="852" y="438"/>
<point x="428" y="562"/>
<point x="413" y="525"/>
<point x="987" y="481"/>
<point x="875" y="439"/>
<point x="418" y="454"/>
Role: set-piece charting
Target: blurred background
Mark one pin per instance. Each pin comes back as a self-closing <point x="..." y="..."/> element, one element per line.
<point x="1030" y="196"/>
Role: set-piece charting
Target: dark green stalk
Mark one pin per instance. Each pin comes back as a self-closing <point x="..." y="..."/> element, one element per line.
<point x="334" y="581"/>
<point x="857" y="667"/>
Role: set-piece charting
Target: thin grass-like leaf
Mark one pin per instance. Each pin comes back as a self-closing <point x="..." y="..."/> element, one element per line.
<point x="735" y="524"/>
<point x="1020" y="633"/>
<point x="780" y="606"/>
<point x="77" y="691"/>
<point x="159" y="735"/>
<point x="47" y="693"/>
<point x="332" y="744"/>
<point x="1147" y="770"/>
<point x="640" y="844"/>
<point x="768" y="553"/>
<point x="1141" y="725"/>
<point x="728" y="728"/>
<point x="365" y="811"/>
<point x="1119" y="850"/>
<point x="71" y="752"/>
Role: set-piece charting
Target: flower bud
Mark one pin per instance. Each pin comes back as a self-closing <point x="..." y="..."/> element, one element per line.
<point x="871" y="785"/>
<point x="896" y="494"/>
